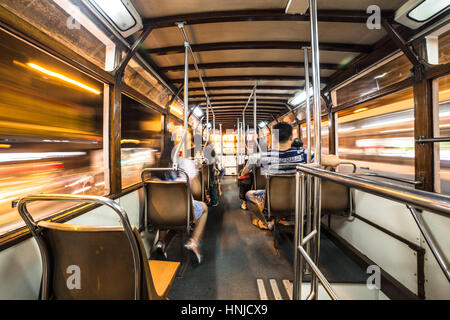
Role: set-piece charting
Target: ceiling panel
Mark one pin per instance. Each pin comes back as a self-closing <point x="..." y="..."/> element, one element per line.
<point x="158" y="8"/>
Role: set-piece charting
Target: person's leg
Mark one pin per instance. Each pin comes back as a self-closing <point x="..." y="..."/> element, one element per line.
<point x="256" y="200"/>
<point x="214" y="193"/>
<point x="200" y="226"/>
<point x="244" y="187"/>
<point x="201" y="215"/>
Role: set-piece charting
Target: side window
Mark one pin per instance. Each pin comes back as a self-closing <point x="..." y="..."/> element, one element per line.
<point x="444" y="131"/>
<point x="141" y="139"/>
<point x="379" y="135"/>
<point x="51" y="130"/>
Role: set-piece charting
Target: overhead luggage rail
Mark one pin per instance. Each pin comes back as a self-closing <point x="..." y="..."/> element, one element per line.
<point x="432" y="202"/>
<point x="21" y="204"/>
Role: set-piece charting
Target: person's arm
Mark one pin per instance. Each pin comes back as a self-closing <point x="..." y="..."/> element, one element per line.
<point x="250" y="165"/>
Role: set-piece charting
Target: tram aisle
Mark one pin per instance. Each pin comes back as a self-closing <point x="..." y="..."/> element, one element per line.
<point x="236" y="254"/>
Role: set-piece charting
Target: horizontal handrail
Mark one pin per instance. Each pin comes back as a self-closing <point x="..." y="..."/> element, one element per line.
<point x="375" y="174"/>
<point x="428" y="140"/>
<point x="425" y="200"/>
<point x="428" y="201"/>
<point x="21" y="204"/>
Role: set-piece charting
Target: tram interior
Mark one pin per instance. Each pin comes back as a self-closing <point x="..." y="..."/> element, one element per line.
<point x="90" y="90"/>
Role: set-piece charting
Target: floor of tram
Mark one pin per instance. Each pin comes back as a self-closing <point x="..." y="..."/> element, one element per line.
<point x="238" y="258"/>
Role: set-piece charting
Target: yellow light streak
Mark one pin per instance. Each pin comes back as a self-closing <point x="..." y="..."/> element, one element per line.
<point x="360" y="110"/>
<point x="62" y="77"/>
<point x="130" y="141"/>
<point x="5" y="146"/>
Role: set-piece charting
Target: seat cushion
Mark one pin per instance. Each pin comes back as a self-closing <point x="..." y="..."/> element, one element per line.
<point x="163" y="274"/>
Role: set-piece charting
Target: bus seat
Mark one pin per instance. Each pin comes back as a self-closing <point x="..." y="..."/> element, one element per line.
<point x="102" y="259"/>
<point x="159" y="274"/>
<point x="280" y="200"/>
<point x="196" y="187"/>
<point x="259" y="180"/>
<point x="168" y="205"/>
<point x="281" y="195"/>
<point x="336" y="197"/>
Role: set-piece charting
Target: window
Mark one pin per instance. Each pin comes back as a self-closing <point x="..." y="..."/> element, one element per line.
<point x="141" y="139"/>
<point x="323" y="136"/>
<point x="379" y="134"/>
<point x="383" y="76"/>
<point x="51" y="131"/>
<point x="444" y="130"/>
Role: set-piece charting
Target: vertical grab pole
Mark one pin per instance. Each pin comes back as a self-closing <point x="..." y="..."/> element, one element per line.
<point x="238" y="158"/>
<point x="317" y="133"/>
<point x="186" y="96"/>
<point x="308" y="142"/>
<point x="221" y="146"/>
<point x="308" y="106"/>
<point x="300" y="197"/>
<point x="207" y="120"/>
<point x="255" y="125"/>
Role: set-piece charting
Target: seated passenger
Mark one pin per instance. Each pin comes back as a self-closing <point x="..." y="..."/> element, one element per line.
<point x="200" y="208"/>
<point x="297" y="143"/>
<point x="211" y="160"/>
<point x="245" y="180"/>
<point x="285" y="154"/>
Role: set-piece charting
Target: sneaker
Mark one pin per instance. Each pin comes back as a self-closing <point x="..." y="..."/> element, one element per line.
<point x="244" y="205"/>
<point x="192" y="245"/>
<point x="161" y="248"/>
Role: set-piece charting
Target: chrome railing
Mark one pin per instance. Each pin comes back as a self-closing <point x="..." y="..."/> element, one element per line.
<point x="432" y="202"/>
<point x="21" y="204"/>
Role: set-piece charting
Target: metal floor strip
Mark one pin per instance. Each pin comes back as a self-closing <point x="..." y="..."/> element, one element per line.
<point x="261" y="289"/>
<point x="288" y="286"/>
<point x="276" y="292"/>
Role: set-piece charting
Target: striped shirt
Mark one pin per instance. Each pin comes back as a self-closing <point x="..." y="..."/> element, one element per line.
<point x="272" y="157"/>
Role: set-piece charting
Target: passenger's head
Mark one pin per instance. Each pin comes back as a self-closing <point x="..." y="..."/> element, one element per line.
<point x="297" y="143"/>
<point x="165" y="161"/>
<point x="283" y="132"/>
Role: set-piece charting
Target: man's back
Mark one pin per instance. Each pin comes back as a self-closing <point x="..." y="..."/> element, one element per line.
<point x="272" y="157"/>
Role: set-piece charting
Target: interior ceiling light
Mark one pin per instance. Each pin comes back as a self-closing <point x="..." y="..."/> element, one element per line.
<point x="121" y="13"/>
<point x="198" y="112"/>
<point x="176" y="110"/>
<point x="427" y="9"/>
<point x="299" y="98"/>
<point x="415" y="13"/>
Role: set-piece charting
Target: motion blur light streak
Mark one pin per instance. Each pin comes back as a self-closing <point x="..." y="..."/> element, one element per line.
<point x="5" y="146"/>
<point x="135" y="141"/>
<point x="26" y="156"/>
<point x="360" y="110"/>
<point x="62" y="77"/>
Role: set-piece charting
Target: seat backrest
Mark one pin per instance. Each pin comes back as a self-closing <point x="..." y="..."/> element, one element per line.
<point x="168" y="204"/>
<point x="335" y="197"/>
<point x="281" y="194"/>
<point x="205" y="175"/>
<point x="196" y="187"/>
<point x="259" y="179"/>
<point x="88" y="262"/>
